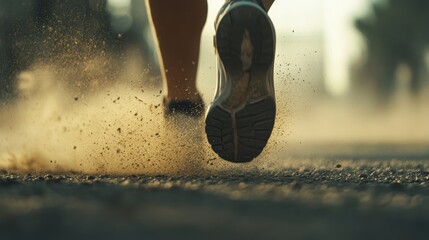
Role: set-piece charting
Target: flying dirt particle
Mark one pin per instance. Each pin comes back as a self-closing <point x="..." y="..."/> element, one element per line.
<point x="76" y="98"/>
<point x="119" y="130"/>
<point x="338" y="166"/>
<point x="117" y="99"/>
<point x="74" y="147"/>
<point x="118" y="150"/>
<point x="138" y="99"/>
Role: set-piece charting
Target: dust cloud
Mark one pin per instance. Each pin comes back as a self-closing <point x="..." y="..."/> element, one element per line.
<point x="117" y="127"/>
<point x="87" y="111"/>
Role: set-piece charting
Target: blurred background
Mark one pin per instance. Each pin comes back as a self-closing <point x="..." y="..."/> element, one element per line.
<point x="346" y="71"/>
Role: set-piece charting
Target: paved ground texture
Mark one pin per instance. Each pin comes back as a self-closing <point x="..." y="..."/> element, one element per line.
<point x="380" y="194"/>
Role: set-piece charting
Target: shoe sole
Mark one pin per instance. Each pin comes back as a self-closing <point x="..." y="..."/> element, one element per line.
<point x="240" y="120"/>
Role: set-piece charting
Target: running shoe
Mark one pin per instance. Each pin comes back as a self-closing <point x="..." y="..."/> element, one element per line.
<point x="241" y="117"/>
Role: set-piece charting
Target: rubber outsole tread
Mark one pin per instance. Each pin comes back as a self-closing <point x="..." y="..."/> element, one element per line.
<point x="239" y="132"/>
<point x="250" y="140"/>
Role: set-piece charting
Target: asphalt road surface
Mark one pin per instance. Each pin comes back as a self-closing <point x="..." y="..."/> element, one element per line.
<point x="355" y="192"/>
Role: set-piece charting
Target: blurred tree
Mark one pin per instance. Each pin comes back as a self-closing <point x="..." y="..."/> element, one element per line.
<point x="395" y="33"/>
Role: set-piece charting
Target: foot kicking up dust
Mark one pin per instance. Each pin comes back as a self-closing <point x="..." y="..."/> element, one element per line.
<point x="118" y="129"/>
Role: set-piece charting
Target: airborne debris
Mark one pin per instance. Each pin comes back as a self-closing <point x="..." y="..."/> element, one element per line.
<point x="138" y="99"/>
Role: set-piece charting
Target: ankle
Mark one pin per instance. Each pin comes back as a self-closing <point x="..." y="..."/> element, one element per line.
<point x="266" y="4"/>
<point x="183" y="92"/>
